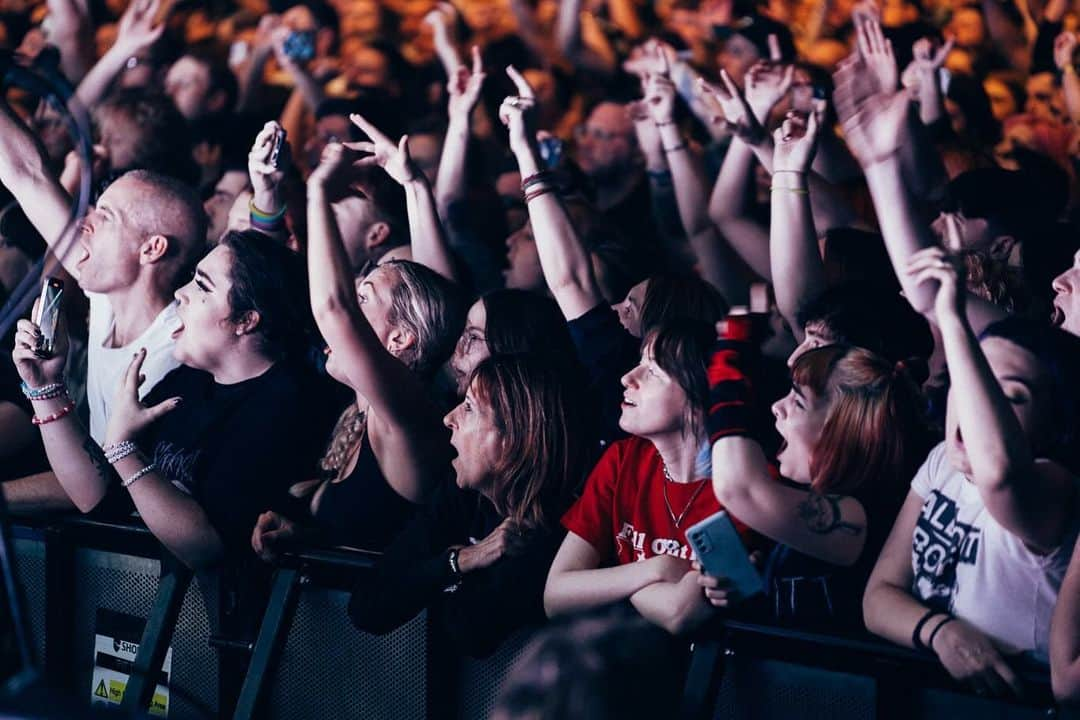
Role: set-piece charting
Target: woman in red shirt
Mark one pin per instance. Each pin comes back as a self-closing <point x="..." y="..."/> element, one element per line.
<point x="626" y="534"/>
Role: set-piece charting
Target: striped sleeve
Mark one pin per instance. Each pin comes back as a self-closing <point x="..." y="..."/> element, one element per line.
<point x="729" y="391"/>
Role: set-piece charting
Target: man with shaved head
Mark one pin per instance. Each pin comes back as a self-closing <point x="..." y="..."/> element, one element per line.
<point x="129" y="256"/>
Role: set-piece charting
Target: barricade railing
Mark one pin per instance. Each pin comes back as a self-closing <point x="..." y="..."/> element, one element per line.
<point x="898" y="675"/>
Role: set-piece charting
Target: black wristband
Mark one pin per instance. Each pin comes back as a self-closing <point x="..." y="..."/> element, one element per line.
<point x="930" y="643"/>
<point x="916" y="635"/>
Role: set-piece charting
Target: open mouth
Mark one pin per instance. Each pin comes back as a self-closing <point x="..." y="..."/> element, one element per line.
<point x="178" y="331"/>
<point x="627" y="402"/>
<point x="1057" y="316"/>
<point x="84" y="255"/>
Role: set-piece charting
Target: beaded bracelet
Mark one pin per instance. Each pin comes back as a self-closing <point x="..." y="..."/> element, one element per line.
<point x="534" y="179"/>
<point x="62" y="412"/>
<point x="118" y="451"/>
<point x="45" y="392"/>
<point x="145" y="471"/>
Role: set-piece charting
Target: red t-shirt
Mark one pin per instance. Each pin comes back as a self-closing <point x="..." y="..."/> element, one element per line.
<point x="622" y="512"/>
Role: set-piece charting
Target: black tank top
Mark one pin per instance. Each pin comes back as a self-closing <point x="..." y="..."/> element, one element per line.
<point x="362" y="510"/>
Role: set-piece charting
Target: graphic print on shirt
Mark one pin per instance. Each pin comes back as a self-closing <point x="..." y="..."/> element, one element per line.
<point x="176" y="464"/>
<point x="939" y="544"/>
<point x="632" y="544"/>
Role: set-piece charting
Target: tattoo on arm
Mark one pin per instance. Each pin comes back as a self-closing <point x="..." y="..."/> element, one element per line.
<point x="97" y="457"/>
<point x="822" y="515"/>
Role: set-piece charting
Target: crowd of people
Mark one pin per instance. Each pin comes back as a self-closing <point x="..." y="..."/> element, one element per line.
<point x="514" y="292"/>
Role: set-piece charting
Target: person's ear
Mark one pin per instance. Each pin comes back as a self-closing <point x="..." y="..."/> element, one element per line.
<point x="153" y="249"/>
<point x="248" y="322"/>
<point x="377" y="235"/>
<point x="399" y="341"/>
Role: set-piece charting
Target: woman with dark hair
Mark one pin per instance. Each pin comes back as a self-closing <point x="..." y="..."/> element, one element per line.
<point x="518" y="435"/>
<point x="852" y="435"/>
<point x="992" y="511"/>
<point x="606" y="336"/>
<point x="508" y="322"/>
<point x="626" y="535"/>
<point x="386" y="338"/>
<point x="217" y="440"/>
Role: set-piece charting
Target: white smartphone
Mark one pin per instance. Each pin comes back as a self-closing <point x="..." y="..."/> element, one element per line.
<point x="722" y="554"/>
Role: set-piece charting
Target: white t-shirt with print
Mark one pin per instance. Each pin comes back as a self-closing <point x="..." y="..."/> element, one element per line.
<point x="965" y="562"/>
<point x="106" y="365"/>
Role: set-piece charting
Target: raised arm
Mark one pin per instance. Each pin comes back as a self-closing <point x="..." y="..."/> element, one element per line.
<point x="797" y="269"/>
<point x="1030" y="499"/>
<point x="1064" y="52"/>
<point x="75" y="458"/>
<point x="442" y="20"/>
<point x="464" y="91"/>
<point x="716" y="261"/>
<point x="309" y="88"/>
<point x="877" y="128"/>
<point x="24" y="171"/>
<point x="72" y="34"/>
<point x="727" y="205"/>
<point x="429" y="243"/>
<point x="571" y="44"/>
<point x="390" y="387"/>
<point x="925" y="67"/>
<point x="266" y="176"/>
<point x="135" y="33"/>
<point x="564" y="260"/>
<point x="1065" y="637"/>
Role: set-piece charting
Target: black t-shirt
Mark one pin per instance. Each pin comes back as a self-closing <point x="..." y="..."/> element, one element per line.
<point x="487" y="607"/>
<point x="607" y="351"/>
<point x="236" y="448"/>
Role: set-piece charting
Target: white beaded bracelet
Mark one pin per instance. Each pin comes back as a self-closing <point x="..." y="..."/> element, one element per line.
<point x="145" y="471"/>
<point x="122" y="449"/>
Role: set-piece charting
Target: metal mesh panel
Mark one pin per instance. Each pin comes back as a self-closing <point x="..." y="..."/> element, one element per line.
<point x="941" y="705"/>
<point x="328" y="669"/>
<point x="30" y="566"/>
<point x="128" y="584"/>
<point x="765" y="689"/>
<point x="481" y="680"/>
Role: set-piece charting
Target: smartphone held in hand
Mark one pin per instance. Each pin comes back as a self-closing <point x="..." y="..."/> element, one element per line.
<point x="722" y="554"/>
<point x="48" y="312"/>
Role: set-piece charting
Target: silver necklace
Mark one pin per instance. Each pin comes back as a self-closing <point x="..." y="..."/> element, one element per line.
<point x="676" y="521"/>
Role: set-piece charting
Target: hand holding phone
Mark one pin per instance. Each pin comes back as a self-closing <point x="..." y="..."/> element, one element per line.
<point x="721" y="554"/>
<point x="47" y="316"/>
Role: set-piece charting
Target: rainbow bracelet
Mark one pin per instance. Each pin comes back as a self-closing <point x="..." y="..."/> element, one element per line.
<point x="266" y="222"/>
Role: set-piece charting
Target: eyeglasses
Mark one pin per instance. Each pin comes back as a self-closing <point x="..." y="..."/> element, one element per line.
<point x="465" y="342"/>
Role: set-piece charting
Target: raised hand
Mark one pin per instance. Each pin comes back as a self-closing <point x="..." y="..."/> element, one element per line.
<point x="660" y="93"/>
<point x="877" y="53"/>
<point x="266" y="176"/>
<point x="934" y="265"/>
<point x="443" y="22"/>
<point x="650" y="58"/>
<point x="738" y="115"/>
<point x="464" y="87"/>
<point x="517" y="113"/>
<point x="766" y="84"/>
<point x="874" y="123"/>
<point x="392" y="157"/>
<point x="136" y="30"/>
<point x="128" y="417"/>
<point x="36" y="367"/>
<point x="795" y="141"/>
<point x="1064" y="50"/>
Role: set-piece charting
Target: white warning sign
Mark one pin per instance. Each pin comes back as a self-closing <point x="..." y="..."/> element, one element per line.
<point x="116" y="641"/>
